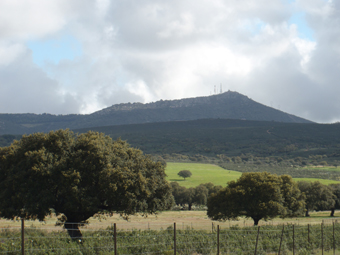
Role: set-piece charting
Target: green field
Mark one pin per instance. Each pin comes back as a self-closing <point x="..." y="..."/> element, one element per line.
<point x="203" y="173"/>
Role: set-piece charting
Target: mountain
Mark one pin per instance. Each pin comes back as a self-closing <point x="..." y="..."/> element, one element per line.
<point x="210" y="137"/>
<point x="228" y="105"/>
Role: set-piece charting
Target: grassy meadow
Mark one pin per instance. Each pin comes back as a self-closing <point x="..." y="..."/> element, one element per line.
<point x="203" y="173"/>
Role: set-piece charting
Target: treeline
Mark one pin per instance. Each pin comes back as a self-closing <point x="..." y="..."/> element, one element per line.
<point x="6" y="140"/>
<point x="259" y="196"/>
<point x="220" y="139"/>
<point x="186" y="197"/>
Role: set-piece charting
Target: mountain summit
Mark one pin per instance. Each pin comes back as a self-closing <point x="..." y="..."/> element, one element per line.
<point x="228" y="105"/>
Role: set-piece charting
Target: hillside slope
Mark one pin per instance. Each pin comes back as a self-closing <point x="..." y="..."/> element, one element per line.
<point x="228" y="105"/>
<point x="210" y="137"/>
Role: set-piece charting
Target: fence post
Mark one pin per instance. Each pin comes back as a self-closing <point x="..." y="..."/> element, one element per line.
<point x="333" y="240"/>
<point x="293" y="239"/>
<point x="218" y="239"/>
<point x="322" y="237"/>
<point x="115" y="238"/>
<point x="257" y="239"/>
<point x="283" y="227"/>
<point x="174" y="238"/>
<point x="22" y="236"/>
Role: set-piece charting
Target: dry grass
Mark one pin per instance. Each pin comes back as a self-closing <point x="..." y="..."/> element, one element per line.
<point x="183" y="219"/>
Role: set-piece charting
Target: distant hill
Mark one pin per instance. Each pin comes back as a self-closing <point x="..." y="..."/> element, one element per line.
<point x="210" y="137"/>
<point x="228" y="105"/>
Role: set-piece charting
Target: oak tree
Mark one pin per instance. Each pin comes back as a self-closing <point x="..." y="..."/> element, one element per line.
<point x="184" y="173"/>
<point x="77" y="177"/>
<point x="257" y="196"/>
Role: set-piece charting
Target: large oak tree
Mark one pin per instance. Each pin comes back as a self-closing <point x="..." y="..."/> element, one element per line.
<point x="77" y="177"/>
<point x="257" y="196"/>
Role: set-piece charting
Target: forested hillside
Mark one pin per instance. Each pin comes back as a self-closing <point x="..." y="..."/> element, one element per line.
<point x="211" y="137"/>
<point x="228" y="105"/>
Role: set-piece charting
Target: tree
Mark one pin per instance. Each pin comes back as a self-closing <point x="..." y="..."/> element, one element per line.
<point x="318" y="196"/>
<point x="212" y="188"/>
<point x="257" y="196"/>
<point x="184" y="173"/>
<point x="78" y="176"/>
<point x="336" y="191"/>
<point x="182" y="194"/>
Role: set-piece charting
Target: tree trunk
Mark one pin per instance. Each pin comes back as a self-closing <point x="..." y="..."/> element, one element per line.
<point x="189" y="207"/>
<point x="307" y="213"/>
<point x="73" y="231"/>
<point x="256" y="221"/>
<point x="332" y="212"/>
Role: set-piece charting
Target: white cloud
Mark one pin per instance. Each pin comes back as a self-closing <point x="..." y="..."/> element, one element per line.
<point x="151" y="50"/>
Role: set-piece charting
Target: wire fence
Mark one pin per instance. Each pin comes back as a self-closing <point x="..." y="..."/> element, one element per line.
<point x="176" y="238"/>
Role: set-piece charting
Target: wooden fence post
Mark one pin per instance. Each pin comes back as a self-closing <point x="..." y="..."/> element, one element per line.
<point x="218" y="239"/>
<point x="293" y="239"/>
<point x="257" y="239"/>
<point x="322" y="238"/>
<point x="283" y="227"/>
<point x="333" y="240"/>
<point x="115" y="238"/>
<point x="22" y="236"/>
<point x="174" y="238"/>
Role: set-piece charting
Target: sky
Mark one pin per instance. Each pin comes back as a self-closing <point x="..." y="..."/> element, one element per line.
<point x="80" y="56"/>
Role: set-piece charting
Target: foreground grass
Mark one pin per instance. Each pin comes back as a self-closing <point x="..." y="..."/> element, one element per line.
<point x="201" y="173"/>
<point x="234" y="239"/>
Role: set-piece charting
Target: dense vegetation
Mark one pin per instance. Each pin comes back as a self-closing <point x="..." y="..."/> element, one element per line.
<point x="257" y="196"/>
<point x="212" y="137"/>
<point x="77" y="177"/>
<point x="222" y="139"/>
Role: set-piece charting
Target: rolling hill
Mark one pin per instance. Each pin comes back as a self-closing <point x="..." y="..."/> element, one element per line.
<point x="228" y="105"/>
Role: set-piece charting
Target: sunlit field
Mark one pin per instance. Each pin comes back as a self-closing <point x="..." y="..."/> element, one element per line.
<point x="201" y="173"/>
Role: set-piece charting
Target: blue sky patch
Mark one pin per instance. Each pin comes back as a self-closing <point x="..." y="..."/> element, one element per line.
<point x="303" y="29"/>
<point x="65" y="47"/>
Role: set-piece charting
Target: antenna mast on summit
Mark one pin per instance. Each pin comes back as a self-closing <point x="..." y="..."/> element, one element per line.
<point x="221" y="88"/>
<point x="214" y="89"/>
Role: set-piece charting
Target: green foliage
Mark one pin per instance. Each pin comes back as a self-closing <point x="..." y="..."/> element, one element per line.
<point x="336" y="191"/>
<point x="230" y="137"/>
<point x="198" y="195"/>
<point x="6" y="140"/>
<point x="78" y="176"/>
<point x="184" y="174"/>
<point x="318" y="196"/>
<point x="257" y="196"/>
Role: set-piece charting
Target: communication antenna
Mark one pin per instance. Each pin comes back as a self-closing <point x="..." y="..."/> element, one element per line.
<point x="214" y="89"/>
<point x="221" y="88"/>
